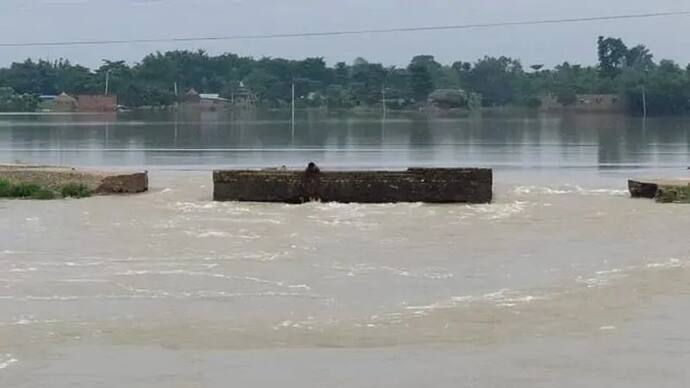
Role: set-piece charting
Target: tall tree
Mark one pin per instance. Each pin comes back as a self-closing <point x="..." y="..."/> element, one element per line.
<point x="612" y="56"/>
<point x="421" y="81"/>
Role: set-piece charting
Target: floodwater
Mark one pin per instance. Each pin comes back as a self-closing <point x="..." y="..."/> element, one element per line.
<point x="564" y="281"/>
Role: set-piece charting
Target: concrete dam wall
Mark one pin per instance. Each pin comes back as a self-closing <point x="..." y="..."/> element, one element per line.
<point x="432" y="185"/>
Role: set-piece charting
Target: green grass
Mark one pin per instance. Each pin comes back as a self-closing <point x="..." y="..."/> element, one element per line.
<point x="18" y="190"/>
<point x="44" y="194"/>
<point x="673" y="194"/>
<point x="75" y="190"/>
<point x="34" y="191"/>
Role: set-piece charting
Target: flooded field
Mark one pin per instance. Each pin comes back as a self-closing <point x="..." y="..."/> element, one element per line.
<point x="563" y="281"/>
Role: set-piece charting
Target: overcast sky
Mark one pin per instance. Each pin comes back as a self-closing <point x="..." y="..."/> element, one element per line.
<point x="64" y="20"/>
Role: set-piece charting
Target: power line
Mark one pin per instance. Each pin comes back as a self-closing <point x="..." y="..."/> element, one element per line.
<point x="350" y="32"/>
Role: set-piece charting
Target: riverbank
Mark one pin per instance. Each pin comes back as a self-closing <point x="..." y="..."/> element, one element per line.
<point x="51" y="182"/>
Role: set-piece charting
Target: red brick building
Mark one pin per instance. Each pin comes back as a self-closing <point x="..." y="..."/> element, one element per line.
<point x="97" y="103"/>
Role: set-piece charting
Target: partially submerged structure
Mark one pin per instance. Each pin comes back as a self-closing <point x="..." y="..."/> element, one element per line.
<point x="663" y="191"/>
<point x="432" y="185"/>
<point x="57" y="178"/>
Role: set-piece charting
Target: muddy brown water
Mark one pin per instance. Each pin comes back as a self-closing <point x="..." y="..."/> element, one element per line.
<point x="564" y="281"/>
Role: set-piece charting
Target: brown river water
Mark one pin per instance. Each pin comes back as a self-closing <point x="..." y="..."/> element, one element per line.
<point x="564" y="281"/>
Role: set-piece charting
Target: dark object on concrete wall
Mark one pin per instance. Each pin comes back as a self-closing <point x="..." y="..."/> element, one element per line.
<point x="642" y="189"/>
<point x="433" y="185"/>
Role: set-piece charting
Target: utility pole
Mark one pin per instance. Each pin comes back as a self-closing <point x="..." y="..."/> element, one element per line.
<point x="175" y="86"/>
<point x="293" y="110"/>
<point x="383" y="102"/>
<point x="644" y="101"/>
<point x="107" y="82"/>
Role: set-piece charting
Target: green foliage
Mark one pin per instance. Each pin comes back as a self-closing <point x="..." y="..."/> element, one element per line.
<point x="44" y="194"/>
<point x="420" y="82"/>
<point x="673" y="194"/>
<point x="532" y="102"/>
<point x="12" y="102"/>
<point x="665" y="89"/>
<point x="18" y="190"/>
<point x="612" y="56"/>
<point x="566" y="97"/>
<point x="496" y="79"/>
<point x="35" y="191"/>
<point x="75" y="190"/>
<point x="629" y="72"/>
<point x="5" y="188"/>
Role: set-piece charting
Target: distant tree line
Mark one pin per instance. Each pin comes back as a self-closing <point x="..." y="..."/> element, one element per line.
<point x="627" y="71"/>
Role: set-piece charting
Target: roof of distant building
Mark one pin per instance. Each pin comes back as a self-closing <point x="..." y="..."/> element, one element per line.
<point x="65" y="98"/>
<point x="212" y="97"/>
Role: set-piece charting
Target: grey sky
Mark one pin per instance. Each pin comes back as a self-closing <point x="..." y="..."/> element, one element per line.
<point x="58" y="20"/>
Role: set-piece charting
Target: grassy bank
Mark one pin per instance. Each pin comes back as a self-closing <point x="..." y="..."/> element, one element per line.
<point x="673" y="194"/>
<point x="10" y="189"/>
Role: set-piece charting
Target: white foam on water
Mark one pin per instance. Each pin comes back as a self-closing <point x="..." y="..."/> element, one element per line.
<point x="198" y="207"/>
<point x="511" y="298"/>
<point x="350" y="224"/>
<point x="61" y="298"/>
<point x="492" y="212"/>
<point x="670" y="263"/>
<point x="431" y="273"/>
<point x="25" y="320"/>
<point x="20" y="270"/>
<point x="208" y="234"/>
<point x="180" y="272"/>
<point x="308" y="324"/>
<point x="264" y="257"/>
<point x="605" y="277"/>
<point x="7" y="361"/>
<point x="501" y="298"/>
<point x="220" y="234"/>
<point x="86" y="281"/>
<point x="567" y="189"/>
<point x="245" y="221"/>
<point x="507" y="298"/>
<point x="71" y="264"/>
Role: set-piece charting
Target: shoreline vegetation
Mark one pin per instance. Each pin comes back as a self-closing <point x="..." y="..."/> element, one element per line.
<point x="22" y="181"/>
<point x="625" y="80"/>
<point x="25" y="190"/>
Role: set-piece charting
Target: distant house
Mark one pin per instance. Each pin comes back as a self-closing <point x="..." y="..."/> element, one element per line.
<point x="46" y="102"/>
<point x="212" y="101"/>
<point x="453" y="98"/>
<point x="47" y="97"/>
<point x="586" y="103"/>
<point x="448" y="98"/>
<point x="599" y="102"/>
<point x="212" y="97"/>
<point x="243" y="97"/>
<point x="192" y="96"/>
<point x="97" y="103"/>
<point x="64" y="103"/>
